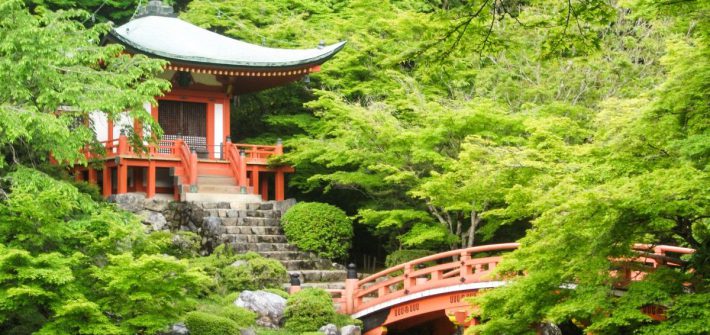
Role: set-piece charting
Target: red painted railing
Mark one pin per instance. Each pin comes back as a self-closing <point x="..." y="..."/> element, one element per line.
<point x="237" y="163"/>
<point x="259" y="154"/>
<point x="470" y="265"/>
<point x="238" y="155"/>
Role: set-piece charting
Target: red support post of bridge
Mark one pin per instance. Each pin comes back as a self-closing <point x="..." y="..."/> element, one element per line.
<point x="466" y="268"/>
<point x="280" y="186"/>
<point x="409" y="282"/>
<point x="150" y="180"/>
<point x="93" y="177"/>
<point x="350" y="289"/>
<point x="107" y="182"/>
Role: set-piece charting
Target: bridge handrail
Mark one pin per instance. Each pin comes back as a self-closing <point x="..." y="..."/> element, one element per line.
<point x="468" y="269"/>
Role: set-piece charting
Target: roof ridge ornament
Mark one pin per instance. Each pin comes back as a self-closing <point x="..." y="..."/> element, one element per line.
<point x="155" y="8"/>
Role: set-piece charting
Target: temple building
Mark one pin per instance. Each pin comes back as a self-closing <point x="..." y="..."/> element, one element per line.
<point x="195" y="160"/>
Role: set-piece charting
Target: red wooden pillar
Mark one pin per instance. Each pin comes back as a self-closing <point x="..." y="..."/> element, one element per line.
<point x="93" y="177"/>
<point x="150" y="183"/>
<point x="280" y="186"/>
<point x="264" y="189"/>
<point x="122" y="145"/>
<point x="122" y="177"/>
<point x="107" y="181"/>
<point x="255" y="179"/>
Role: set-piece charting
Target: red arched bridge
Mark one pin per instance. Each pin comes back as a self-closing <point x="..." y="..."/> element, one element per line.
<point x="431" y="290"/>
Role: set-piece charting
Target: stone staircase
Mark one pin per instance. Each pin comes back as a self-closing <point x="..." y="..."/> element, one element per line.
<point x="213" y="185"/>
<point x="257" y="227"/>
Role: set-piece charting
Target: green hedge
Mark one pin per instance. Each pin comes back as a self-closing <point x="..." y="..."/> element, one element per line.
<point x="308" y="310"/>
<point x="321" y="228"/>
<point x="200" y="323"/>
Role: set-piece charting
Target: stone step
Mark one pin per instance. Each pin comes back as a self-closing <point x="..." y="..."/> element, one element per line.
<point x="236" y="200"/>
<point x="247" y="214"/>
<point x="320" y="276"/>
<point x="323" y="286"/>
<point x="216" y="180"/>
<point x="300" y="264"/>
<point x="251" y="230"/>
<point x="250" y="222"/>
<point x="259" y="247"/>
<point x="213" y="205"/>
<point x="255" y="238"/>
<point x="228" y="188"/>
<point x="286" y="255"/>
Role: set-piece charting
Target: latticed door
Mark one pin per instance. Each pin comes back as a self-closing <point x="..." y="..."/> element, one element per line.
<point x="186" y="120"/>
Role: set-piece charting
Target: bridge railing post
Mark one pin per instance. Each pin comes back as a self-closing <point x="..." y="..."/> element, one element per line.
<point x="295" y="283"/>
<point x="464" y="267"/>
<point x="409" y="282"/>
<point x="350" y="289"/>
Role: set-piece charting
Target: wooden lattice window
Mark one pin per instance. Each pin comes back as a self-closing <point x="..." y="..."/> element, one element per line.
<point x="186" y="120"/>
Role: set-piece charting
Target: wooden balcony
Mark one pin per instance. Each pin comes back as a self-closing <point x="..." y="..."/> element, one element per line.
<point x="246" y="165"/>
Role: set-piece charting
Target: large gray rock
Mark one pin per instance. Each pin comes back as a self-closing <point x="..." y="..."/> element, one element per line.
<point x="329" y="329"/>
<point x="549" y="329"/>
<point x="211" y="225"/>
<point x="350" y="330"/>
<point x="155" y="205"/>
<point x="155" y="220"/>
<point x="269" y="307"/>
<point x="247" y="331"/>
<point x="178" y="329"/>
<point x="132" y="202"/>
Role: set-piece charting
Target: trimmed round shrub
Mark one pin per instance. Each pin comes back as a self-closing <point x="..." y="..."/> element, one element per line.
<point x="200" y="323"/>
<point x="253" y="274"/>
<point x="308" y="310"/>
<point x="241" y="316"/>
<point x="319" y="228"/>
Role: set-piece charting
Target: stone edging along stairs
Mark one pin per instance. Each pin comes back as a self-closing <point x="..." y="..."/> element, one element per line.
<point x="257" y="227"/>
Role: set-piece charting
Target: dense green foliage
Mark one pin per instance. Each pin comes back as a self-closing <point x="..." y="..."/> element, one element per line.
<point x="443" y="124"/>
<point x="580" y="124"/>
<point x="254" y="273"/>
<point x="308" y="310"/>
<point x="49" y="62"/>
<point x="200" y="323"/>
<point x="402" y="256"/>
<point x="321" y="228"/>
<point x="70" y="265"/>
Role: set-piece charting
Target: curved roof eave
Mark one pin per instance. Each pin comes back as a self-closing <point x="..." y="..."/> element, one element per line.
<point x="180" y="41"/>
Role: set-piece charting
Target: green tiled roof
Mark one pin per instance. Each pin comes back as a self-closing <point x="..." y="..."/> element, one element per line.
<point x="177" y="40"/>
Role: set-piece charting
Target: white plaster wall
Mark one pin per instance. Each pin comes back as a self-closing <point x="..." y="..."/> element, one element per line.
<point x="124" y="121"/>
<point x="146" y="129"/>
<point x="99" y="122"/>
<point x="218" y="125"/>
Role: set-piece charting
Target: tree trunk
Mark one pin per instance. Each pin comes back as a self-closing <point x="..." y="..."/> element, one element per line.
<point x="475" y="220"/>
